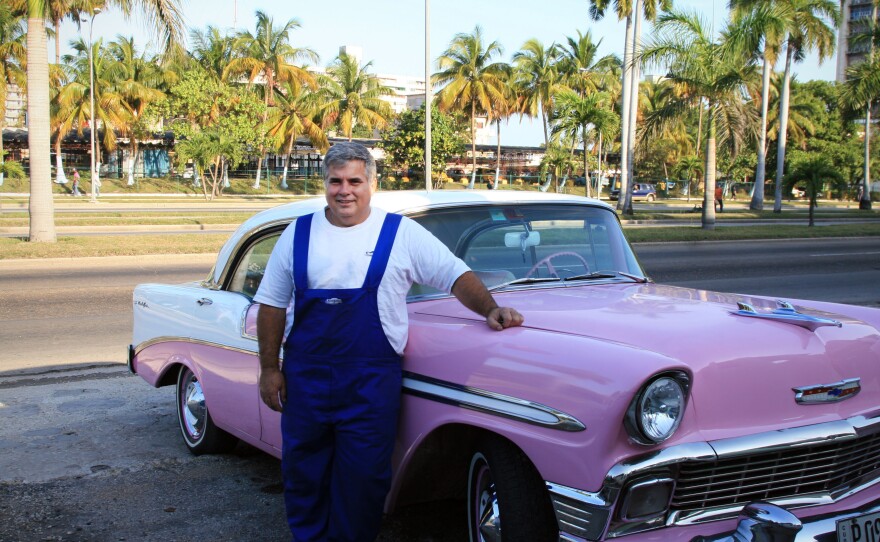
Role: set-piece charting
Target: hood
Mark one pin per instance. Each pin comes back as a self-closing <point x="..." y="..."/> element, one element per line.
<point x="744" y="368"/>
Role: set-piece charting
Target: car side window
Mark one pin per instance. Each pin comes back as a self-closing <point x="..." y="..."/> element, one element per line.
<point x="252" y="266"/>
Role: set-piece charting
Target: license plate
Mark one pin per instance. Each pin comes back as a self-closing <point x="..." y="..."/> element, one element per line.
<point x="865" y="527"/>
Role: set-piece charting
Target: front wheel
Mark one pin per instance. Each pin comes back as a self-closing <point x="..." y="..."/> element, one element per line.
<point x="507" y="499"/>
<point x="650" y="197"/>
<point x="196" y="425"/>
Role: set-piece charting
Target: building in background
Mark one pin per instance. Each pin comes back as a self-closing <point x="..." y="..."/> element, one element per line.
<point x="16" y="107"/>
<point x="856" y="16"/>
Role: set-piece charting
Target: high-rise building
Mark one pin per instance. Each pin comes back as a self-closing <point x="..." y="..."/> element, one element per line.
<point x="856" y="16"/>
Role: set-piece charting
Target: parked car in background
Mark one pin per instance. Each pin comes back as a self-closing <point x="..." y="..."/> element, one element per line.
<point x="621" y="409"/>
<point x="641" y="192"/>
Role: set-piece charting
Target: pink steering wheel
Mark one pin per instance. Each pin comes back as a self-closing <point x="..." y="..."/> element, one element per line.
<point x="547" y="261"/>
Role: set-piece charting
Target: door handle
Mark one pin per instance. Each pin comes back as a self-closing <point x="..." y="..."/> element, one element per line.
<point x="204" y="301"/>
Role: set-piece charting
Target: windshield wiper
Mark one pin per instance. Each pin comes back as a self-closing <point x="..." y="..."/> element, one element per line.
<point x="606" y="275"/>
<point x="524" y="280"/>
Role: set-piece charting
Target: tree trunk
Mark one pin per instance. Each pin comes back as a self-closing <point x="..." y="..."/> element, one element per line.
<point x="586" y="166"/>
<point x="624" y="110"/>
<point x="41" y="206"/>
<point x="287" y="160"/>
<point x="600" y="173"/>
<point x="57" y="23"/>
<point x="783" y="130"/>
<point x="708" y="216"/>
<point x="2" y="123"/>
<point x="473" y="145"/>
<point x="865" y="201"/>
<point x="757" y="203"/>
<point x="633" y="107"/>
<point x="60" y="175"/>
<point x="497" y="158"/>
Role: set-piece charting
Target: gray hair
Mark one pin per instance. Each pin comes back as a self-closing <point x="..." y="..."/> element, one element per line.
<point x="346" y="151"/>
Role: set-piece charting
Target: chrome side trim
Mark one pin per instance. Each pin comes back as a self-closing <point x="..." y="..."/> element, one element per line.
<point x="489" y="402"/>
<point x="166" y="339"/>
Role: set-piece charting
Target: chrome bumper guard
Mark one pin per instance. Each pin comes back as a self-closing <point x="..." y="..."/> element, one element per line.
<point x="583" y="515"/>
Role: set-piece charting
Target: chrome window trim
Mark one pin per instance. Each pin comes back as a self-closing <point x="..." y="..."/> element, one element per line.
<point x="606" y="498"/>
<point x="489" y="402"/>
<point x="245" y="240"/>
<point x="247" y="236"/>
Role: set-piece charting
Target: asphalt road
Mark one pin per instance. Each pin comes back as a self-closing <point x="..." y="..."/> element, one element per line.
<point x="91" y="453"/>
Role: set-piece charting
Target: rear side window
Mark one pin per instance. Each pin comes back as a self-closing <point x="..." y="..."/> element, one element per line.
<point x="252" y="266"/>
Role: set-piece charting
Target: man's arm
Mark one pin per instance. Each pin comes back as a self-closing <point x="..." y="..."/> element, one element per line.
<point x="270" y="332"/>
<point x="472" y="293"/>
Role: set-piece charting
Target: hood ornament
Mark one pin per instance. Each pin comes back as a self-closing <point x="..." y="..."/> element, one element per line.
<point x="827" y="393"/>
<point x="787" y="314"/>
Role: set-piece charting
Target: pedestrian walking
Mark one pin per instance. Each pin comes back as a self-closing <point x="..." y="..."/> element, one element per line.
<point x="75" y="189"/>
<point x="719" y="199"/>
<point x="346" y="270"/>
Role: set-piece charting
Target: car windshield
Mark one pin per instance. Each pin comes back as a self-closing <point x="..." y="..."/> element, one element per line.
<point x="520" y="245"/>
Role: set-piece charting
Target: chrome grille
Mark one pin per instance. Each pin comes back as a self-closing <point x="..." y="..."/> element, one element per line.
<point x="826" y="468"/>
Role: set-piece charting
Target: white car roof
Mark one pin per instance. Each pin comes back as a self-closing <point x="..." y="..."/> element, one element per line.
<point x="395" y="201"/>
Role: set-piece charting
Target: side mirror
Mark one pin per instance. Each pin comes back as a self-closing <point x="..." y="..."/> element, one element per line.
<point x="522" y="240"/>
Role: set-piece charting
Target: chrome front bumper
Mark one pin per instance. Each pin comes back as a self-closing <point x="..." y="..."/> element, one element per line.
<point x="589" y="516"/>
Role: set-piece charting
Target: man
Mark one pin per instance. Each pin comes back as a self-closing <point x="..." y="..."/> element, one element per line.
<point x="348" y="270"/>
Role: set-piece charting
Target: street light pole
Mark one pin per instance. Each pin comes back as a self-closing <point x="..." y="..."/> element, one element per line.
<point x="428" y="97"/>
<point x="94" y="172"/>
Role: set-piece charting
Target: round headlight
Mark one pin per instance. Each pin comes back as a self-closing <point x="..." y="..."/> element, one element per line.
<point x="660" y="408"/>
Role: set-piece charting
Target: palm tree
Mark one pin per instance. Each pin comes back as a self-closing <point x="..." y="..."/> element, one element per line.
<point x="759" y="27"/>
<point x="473" y="81"/>
<point x="73" y="103"/>
<point x="581" y="68"/>
<point x="631" y="11"/>
<point x="165" y="16"/>
<point x="812" y="174"/>
<point x="269" y="56"/>
<point x="712" y="74"/>
<point x="136" y="80"/>
<point x="860" y="91"/>
<point x="12" y="62"/>
<point x="296" y="113"/>
<point x="212" y="51"/>
<point x="576" y="115"/>
<point x="808" y="30"/>
<point x="689" y="167"/>
<point x="536" y="71"/>
<point x="503" y="108"/>
<point x="353" y="96"/>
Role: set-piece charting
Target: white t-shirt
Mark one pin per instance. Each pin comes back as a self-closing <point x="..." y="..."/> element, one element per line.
<point x="339" y="258"/>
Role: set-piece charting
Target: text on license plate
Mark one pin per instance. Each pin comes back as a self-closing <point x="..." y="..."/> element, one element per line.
<point x="860" y="528"/>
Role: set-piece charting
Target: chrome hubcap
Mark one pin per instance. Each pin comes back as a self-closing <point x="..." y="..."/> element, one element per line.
<point x="487" y="515"/>
<point x="193" y="408"/>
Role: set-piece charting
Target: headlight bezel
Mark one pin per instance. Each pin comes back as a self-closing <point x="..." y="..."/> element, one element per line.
<point x="633" y="420"/>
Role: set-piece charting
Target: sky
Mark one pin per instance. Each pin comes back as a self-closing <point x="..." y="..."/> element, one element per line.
<point x="392" y="32"/>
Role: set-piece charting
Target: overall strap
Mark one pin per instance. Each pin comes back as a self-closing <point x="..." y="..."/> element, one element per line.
<point x="382" y="251"/>
<point x="301" y="252"/>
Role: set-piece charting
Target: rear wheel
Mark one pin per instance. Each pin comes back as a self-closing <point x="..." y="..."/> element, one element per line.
<point x="196" y="425"/>
<point x="507" y="499"/>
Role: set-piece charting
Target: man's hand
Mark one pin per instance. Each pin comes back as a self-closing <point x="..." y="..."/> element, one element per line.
<point x="273" y="389"/>
<point x="503" y="317"/>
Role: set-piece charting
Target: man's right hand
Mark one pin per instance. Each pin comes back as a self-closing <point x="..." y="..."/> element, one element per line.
<point x="273" y="389"/>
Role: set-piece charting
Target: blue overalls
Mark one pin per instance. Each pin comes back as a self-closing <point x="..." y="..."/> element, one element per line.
<point x="343" y="395"/>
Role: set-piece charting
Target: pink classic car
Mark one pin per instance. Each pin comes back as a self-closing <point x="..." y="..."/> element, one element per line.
<point x="621" y="409"/>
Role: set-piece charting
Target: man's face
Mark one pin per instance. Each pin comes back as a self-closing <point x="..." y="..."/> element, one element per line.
<point x="348" y="192"/>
